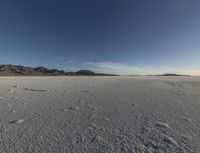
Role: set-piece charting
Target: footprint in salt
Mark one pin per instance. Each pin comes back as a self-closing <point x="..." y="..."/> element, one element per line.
<point x="107" y="119"/>
<point x="65" y="109"/>
<point x="94" y="125"/>
<point x="11" y="91"/>
<point x="146" y="99"/>
<point x="134" y="104"/>
<point x="41" y="90"/>
<point x="97" y="138"/>
<point x="17" y="121"/>
<point x="92" y="108"/>
<point x="186" y="119"/>
<point x="163" y="125"/>
<point x="14" y="86"/>
<point x="73" y="108"/>
<point x="12" y="111"/>
<point x="170" y="141"/>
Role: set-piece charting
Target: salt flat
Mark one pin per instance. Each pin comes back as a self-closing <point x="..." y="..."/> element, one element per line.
<point x="99" y="114"/>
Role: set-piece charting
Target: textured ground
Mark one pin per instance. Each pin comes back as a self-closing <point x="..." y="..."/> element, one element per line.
<point x="99" y="114"/>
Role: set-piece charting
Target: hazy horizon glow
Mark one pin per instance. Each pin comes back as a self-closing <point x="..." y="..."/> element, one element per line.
<point x="124" y="69"/>
<point x="123" y="37"/>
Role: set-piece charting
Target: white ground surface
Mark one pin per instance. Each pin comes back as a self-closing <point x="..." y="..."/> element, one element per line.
<point x="99" y="114"/>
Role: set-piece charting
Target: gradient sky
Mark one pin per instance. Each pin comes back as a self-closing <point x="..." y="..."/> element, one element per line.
<point x="116" y="36"/>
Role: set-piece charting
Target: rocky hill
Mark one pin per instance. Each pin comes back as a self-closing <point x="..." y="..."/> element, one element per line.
<point x="18" y="70"/>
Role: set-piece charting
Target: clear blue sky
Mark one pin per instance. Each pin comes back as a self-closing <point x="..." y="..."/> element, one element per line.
<point x="122" y="36"/>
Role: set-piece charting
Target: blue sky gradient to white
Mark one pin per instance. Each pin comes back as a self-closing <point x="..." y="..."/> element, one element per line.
<point x="124" y="37"/>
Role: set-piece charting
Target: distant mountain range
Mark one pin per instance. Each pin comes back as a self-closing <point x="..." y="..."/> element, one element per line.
<point x="18" y="70"/>
<point x="171" y="74"/>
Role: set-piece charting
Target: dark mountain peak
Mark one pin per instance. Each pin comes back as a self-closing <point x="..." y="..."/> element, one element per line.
<point x="41" y="69"/>
<point x="85" y="72"/>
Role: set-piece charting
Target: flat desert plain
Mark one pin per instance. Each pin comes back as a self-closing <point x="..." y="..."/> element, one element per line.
<point x="100" y="114"/>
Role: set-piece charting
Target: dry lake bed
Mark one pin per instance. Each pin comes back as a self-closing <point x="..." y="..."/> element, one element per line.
<point x="99" y="114"/>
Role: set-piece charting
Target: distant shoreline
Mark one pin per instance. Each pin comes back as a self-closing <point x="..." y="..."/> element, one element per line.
<point x="19" y="70"/>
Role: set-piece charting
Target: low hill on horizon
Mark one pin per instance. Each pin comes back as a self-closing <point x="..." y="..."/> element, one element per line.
<point x="172" y="74"/>
<point x="19" y="70"/>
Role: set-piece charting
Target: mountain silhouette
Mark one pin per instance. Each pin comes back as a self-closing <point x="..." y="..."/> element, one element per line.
<point x="19" y="70"/>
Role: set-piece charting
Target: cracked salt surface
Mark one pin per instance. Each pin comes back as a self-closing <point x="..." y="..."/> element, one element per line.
<point x="100" y="114"/>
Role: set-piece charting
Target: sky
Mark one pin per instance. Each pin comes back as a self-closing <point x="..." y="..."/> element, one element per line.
<point x="114" y="36"/>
